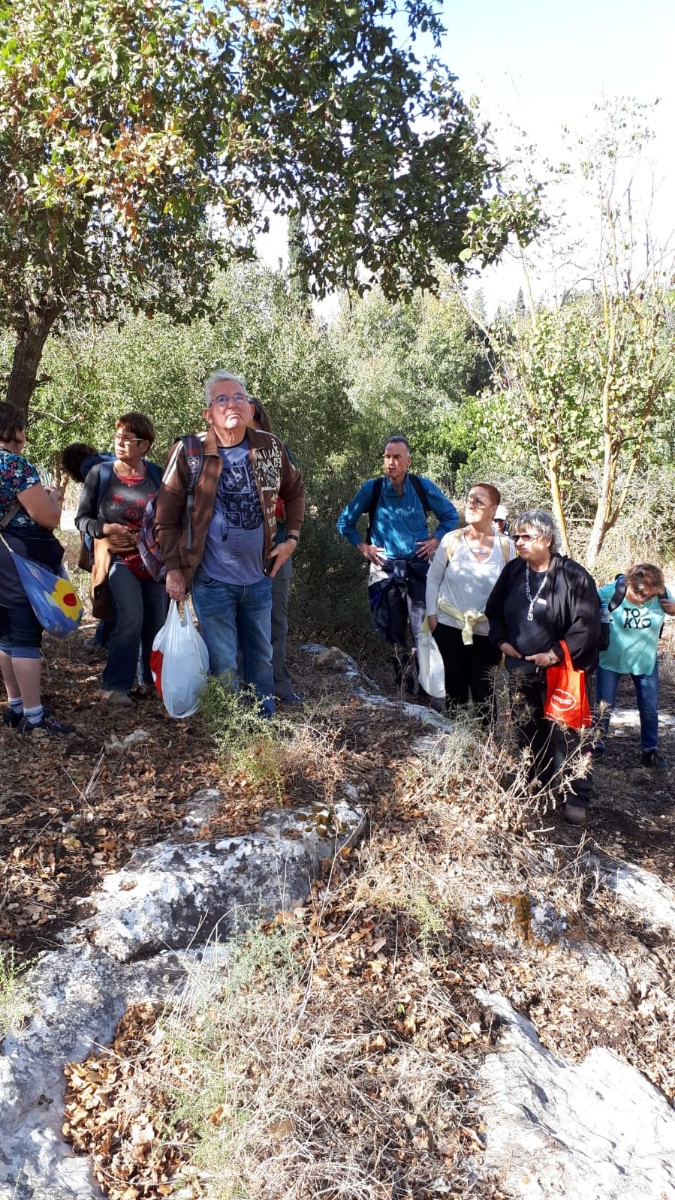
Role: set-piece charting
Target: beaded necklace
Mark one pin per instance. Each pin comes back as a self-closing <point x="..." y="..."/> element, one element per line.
<point x="533" y="599"/>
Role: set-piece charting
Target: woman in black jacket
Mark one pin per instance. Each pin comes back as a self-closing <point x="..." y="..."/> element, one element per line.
<point x="539" y="600"/>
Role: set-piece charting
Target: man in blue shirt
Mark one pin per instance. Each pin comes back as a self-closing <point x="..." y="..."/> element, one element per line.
<point x="398" y="548"/>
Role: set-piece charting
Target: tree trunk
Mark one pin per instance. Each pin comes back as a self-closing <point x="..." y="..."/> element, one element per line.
<point x="30" y="343"/>
<point x="602" y="521"/>
<point x="556" y="500"/>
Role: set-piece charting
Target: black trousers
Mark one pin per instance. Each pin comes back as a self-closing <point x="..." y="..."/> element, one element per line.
<point x="552" y="745"/>
<point x="469" y="670"/>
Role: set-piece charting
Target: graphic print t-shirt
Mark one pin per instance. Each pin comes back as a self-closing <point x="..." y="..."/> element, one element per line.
<point x="634" y="635"/>
<point x="235" y="540"/>
<point x="124" y="504"/>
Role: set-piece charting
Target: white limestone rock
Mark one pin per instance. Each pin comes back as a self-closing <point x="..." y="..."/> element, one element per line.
<point x="77" y="997"/>
<point x="168" y="893"/>
<point x="646" y="894"/>
<point x="593" y="1131"/>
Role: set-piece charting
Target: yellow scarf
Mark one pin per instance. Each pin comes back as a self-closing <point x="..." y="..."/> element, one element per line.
<point x="470" y="618"/>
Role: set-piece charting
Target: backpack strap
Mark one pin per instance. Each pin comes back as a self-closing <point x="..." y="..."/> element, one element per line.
<point x="619" y="593"/>
<point x="155" y="473"/>
<point x="10" y="514"/>
<point x="421" y="494"/>
<point x="377" y="492"/>
<point x="453" y="542"/>
<point x="193" y="448"/>
<point x="374" y="501"/>
<point x="104" y="477"/>
<point x="505" y="543"/>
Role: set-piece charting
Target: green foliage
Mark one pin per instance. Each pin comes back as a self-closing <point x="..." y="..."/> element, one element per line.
<point x="13" y="1000"/>
<point x="409" y="368"/>
<point x="140" y="143"/>
<point x="584" y="385"/>
<point x="244" y="740"/>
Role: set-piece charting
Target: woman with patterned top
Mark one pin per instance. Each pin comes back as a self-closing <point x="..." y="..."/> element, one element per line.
<point x="112" y="503"/>
<point x="541" y="599"/>
<point x="635" y="627"/>
<point x="29" y="513"/>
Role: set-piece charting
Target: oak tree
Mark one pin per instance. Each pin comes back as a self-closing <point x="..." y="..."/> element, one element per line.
<point x="142" y="140"/>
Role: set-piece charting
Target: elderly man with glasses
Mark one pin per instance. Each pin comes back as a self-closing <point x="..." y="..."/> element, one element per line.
<point x="226" y="554"/>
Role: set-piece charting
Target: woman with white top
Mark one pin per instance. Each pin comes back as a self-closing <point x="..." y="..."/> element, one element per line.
<point x="464" y="570"/>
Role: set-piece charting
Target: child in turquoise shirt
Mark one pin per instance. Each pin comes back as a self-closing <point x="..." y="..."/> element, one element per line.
<point x="635" y="628"/>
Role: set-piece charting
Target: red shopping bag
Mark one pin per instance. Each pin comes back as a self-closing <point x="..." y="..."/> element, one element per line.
<point x="566" y="697"/>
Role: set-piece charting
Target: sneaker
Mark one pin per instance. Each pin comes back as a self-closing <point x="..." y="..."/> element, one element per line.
<point x="654" y="760"/>
<point x="574" y="814"/>
<point x="119" y="699"/>
<point x="49" y="725"/>
<point x="293" y="699"/>
<point x="11" y="718"/>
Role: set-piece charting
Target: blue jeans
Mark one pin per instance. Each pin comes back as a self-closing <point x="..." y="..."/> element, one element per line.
<point x="140" y="606"/>
<point x="238" y="618"/>
<point x="647" y="692"/>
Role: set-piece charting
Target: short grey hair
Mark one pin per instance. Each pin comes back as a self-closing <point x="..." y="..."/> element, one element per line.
<point x="398" y="437"/>
<point x="222" y="377"/>
<point x="537" y="520"/>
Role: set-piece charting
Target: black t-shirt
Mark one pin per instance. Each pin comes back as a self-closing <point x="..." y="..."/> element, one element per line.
<point x="529" y="637"/>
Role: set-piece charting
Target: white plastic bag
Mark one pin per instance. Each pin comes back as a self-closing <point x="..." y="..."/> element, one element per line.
<point x="430" y="664"/>
<point x="179" y="663"/>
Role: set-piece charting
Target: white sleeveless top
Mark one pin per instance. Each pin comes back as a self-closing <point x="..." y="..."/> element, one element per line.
<point x="464" y="581"/>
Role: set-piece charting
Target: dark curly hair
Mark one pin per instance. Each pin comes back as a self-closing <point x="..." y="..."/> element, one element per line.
<point x="72" y="458"/>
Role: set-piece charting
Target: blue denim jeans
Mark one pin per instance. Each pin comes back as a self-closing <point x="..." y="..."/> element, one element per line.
<point x="647" y="692"/>
<point x="140" y="606"/>
<point x="237" y="618"/>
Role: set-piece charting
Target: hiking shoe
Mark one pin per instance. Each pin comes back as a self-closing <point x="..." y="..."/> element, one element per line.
<point x="49" y="726"/>
<point x="119" y="699"/>
<point x="574" y="814"/>
<point x="11" y="718"/>
<point x="292" y="699"/>
<point x="654" y="760"/>
<point x="597" y="751"/>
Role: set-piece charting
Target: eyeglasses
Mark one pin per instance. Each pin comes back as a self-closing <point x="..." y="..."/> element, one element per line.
<point x="524" y="537"/>
<point x="473" y="502"/>
<point x="238" y="398"/>
<point x="128" y="437"/>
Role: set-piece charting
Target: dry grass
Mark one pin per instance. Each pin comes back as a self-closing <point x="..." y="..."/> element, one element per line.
<point x="332" y="1053"/>
<point x="296" y="1083"/>
<point x="14" y="1000"/>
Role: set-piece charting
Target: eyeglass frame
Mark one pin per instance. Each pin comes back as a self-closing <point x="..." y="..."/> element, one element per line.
<point x="222" y="401"/>
<point x="121" y="436"/>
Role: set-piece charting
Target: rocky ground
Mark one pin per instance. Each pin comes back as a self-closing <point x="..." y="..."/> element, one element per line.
<point x="475" y="960"/>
